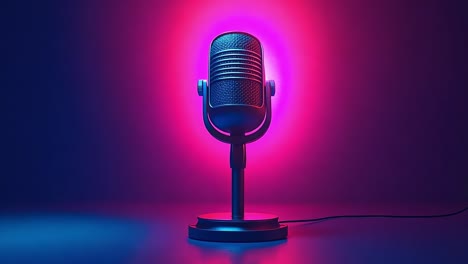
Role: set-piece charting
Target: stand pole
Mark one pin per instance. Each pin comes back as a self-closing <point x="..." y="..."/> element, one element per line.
<point x="238" y="160"/>
<point x="237" y="226"/>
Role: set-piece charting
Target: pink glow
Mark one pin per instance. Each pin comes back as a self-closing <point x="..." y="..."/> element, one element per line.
<point x="291" y="52"/>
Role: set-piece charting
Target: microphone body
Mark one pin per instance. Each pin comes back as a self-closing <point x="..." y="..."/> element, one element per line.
<point x="236" y="80"/>
<point x="236" y="97"/>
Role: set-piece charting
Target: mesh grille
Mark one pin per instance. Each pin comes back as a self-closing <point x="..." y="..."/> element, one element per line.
<point x="236" y="92"/>
<point x="235" y="41"/>
<point x="236" y="71"/>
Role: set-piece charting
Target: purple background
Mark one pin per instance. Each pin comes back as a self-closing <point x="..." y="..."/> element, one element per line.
<point x="86" y="121"/>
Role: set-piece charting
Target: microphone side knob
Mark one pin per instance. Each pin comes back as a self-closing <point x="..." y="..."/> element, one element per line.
<point x="201" y="86"/>
<point x="272" y="86"/>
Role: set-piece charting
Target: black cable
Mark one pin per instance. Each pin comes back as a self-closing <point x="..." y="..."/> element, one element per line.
<point x="372" y="216"/>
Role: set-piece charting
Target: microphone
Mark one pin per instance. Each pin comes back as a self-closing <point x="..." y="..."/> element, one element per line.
<point x="237" y="100"/>
<point x="236" y="83"/>
<point x="237" y="110"/>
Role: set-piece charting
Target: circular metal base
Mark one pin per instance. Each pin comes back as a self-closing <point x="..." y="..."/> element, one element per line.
<point x="253" y="227"/>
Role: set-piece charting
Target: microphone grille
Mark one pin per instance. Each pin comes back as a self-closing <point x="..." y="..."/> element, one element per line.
<point x="235" y="40"/>
<point x="236" y="70"/>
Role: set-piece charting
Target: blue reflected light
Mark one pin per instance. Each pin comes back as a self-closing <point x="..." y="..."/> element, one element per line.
<point x="51" y="238"/>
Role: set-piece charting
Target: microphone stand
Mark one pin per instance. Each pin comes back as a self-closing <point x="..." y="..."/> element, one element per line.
<point x="238" y="163"/>
<point x="237" y="226"/>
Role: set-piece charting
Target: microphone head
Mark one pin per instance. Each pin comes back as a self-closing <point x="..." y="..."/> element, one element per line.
<point x="236" y="81"/>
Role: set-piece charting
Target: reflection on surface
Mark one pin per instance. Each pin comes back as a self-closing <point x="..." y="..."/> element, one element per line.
<point x="260" y="252"/>
<point x="67" y="238"/>
<point x="158" y="234"/>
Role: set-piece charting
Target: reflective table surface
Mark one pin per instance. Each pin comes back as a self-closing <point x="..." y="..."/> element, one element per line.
<point x="136" y="233"/>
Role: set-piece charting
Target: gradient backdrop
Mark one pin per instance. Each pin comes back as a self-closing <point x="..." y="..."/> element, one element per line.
<point x="101" y="102"/>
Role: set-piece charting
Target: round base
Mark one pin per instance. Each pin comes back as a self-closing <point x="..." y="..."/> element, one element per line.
<point x="253" y="227"/>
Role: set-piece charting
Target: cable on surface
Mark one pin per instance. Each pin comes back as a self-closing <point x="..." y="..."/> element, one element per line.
<point x="372" y="216"/>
